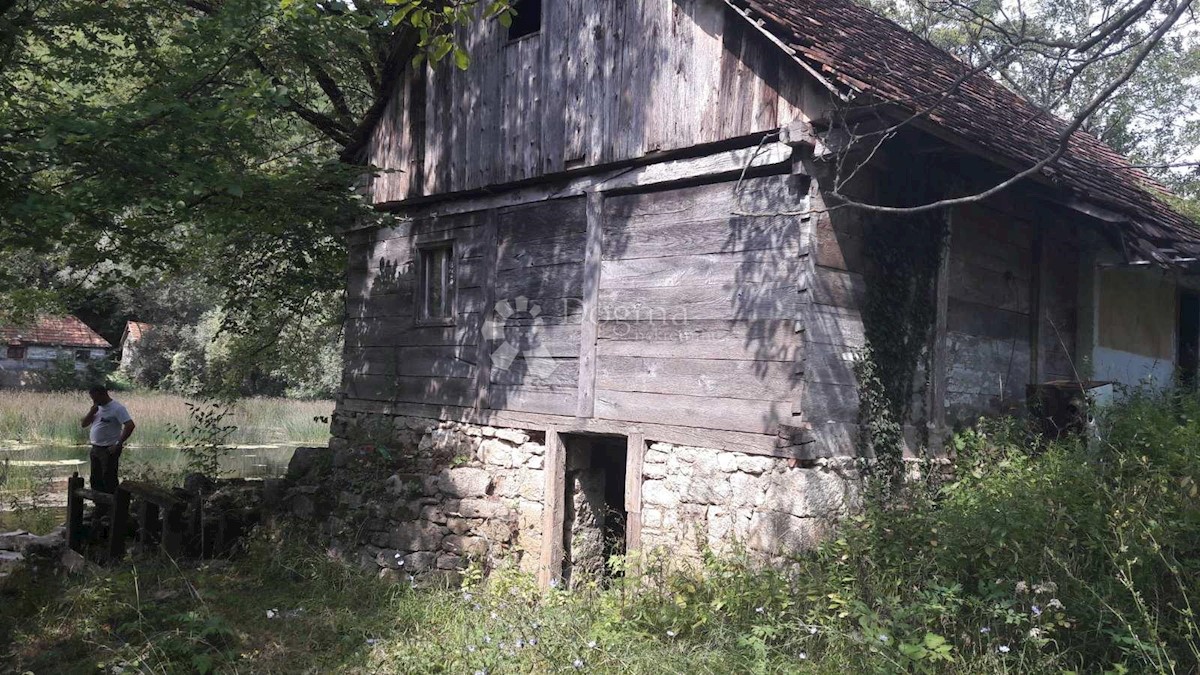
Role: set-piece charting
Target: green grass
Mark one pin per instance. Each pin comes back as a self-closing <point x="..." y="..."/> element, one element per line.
<point x="39" y="418"/>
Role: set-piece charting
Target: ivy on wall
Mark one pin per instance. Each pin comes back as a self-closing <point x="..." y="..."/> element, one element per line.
<point x="902" y="254"/>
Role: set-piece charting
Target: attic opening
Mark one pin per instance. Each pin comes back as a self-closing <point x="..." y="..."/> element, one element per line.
<point x="528" y="19"/>
<point x="594" y="504"/>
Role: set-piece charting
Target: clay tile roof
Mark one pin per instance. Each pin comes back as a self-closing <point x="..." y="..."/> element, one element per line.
<point x="64" y="331"/>
<point x="856" y="48"/>
<point x="135" y="330"/>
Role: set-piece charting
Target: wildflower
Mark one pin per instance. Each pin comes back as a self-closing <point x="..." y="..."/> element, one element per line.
<point x="477" y="607"/>
<point x="1003" y="649"/>
<point x="985" y="630"/>
<point x="467" y="597"/>
<point x="495" y="615"/>
<point x="1022" y="587"/>
<point x="670" y="633"/>
<point x="501" y="646"/>
<point x="487" y="639"/>
<point x="272" y="613"/>
<point x="532" y="642"/>
<point x="371" y="642"/>
<point x="1055" y="603"/>
<point x="1035" y="610"/>
<point x="519" y="643"/>
<point x="482" y="671"/>
<point x="812" y="630"/>
<point x="1047" y="587"/>
<point x="759" y="610"/>
<point x="470" y="649"/>
<point x="883" y="639"/>
<point x="1035" y="633"/>
<point x="535" y="625"/>
<point x="592" y="644"/>
<point x="802" y="656"/>
<point x="578" y="664"/>
<point x="554" y="583"/>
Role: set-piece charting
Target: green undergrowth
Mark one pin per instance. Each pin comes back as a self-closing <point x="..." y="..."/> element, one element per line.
<point x="1035" y="557"/>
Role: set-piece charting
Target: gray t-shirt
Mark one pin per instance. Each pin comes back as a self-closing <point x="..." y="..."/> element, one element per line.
<point x="106" y="428"/>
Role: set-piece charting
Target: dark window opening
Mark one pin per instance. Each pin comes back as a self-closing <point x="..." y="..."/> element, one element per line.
<point x="1188" y="358"/>
<point x="435" y="296"/>
<point x="83" y="355"/>
<point x="528" y="19"/>
<point x="595" y="517"/>
<point x="16" y="351"/>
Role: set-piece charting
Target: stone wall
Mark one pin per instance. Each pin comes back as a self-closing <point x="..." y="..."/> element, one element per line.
<point x="415" y="496"/>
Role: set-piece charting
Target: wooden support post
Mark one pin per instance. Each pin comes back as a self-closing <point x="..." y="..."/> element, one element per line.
<point x="1036" y="306"/>
<point x="75" y="513"/>
<point x="172" y="536"/>
<point x="120" y="522"/>
<point x="593" y="254"/>
<point x="148" y="524"/>
<point x="939" y="365"/>
<point x="553" y="510"/>
<point x="483" y="350"/>
<point x="635" y="455"/>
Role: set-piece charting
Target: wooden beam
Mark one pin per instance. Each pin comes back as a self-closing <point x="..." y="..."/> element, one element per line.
<point x="714" y="166"/>
<point x="1036" y="305"/>
<point x="483" y="346"/>
<point x="553" y="510"/>
<point x="939" y="363"/>
<point x="593" y="254"/>
<point x="635" y="456"/>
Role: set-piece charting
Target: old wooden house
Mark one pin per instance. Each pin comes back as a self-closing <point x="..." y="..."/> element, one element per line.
<point x="31" y="351"/>
<point x="618" y="298"/>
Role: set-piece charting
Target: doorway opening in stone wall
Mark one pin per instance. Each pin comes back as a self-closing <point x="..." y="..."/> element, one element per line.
<point x="594" y="504"/>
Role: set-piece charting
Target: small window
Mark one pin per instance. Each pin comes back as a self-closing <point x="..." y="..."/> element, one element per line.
<point x="528" y="19"/>
<point x="435" y="291"/>
<point x="16" y="351"/>
<point x="83" y="355"/>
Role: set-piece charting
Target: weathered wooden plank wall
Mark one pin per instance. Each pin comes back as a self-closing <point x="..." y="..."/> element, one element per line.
<point x="604" y="81"/>
<point x="697" y="306"/>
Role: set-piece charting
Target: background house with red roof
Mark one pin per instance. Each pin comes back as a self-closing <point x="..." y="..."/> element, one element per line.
<point x="30" y="351"/>
<point x="130" y="337"/>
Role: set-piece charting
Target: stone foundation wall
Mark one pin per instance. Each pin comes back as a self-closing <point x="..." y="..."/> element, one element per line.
<point x="422" y="497"/>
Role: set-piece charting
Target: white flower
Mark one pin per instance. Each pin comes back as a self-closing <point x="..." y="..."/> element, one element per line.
<point x="1035" y="610"/>
<point x="812" y="630"/>
<point x="471" y="649"/>
<point x="495" y="615"/>
<point x="535" y="625"/>
<point x="519" y="643"/>
<point x="371" y="642"/>
<point x="578" y="664"/>
<point x="487" y="639"/>
<point x="1046" y="587"/>
<point x="481" y="672"/>
<point x="883" y="638"/>
<point x="671" y="633"/>
<point x="467" y="597"/>
<point x="1055" y="603"/>
<point x="985" y="630"/>
<point x="760" y="610"/>
<point x="1022" y="587"/>
<point x="272" y="613"/>
<point x="1035" y="633"/>
<point x="592" y="644"/>
<point x="1003" y="649"/>
<point x="802" y="656"/>
<point x="554" y="583"/>
<point x="532" y="642"/>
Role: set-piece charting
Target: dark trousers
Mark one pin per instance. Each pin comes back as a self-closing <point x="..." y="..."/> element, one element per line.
<point x="105" y="459"/>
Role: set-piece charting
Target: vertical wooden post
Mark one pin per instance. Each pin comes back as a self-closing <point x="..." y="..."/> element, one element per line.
<point x="1088" y="309"/>
<point x="483" y="353"/>
<point x="1036" y="305"/>
<point x="74" y="513"/>
<point x="593" y="254"/>
<point x="553" y="510"/>
<point x="172" y="537"/>
<point x="938" y="364"/>
<point x="635" y="455"/>
<point x="148" y="524"/>
<point x="120" y="522"/>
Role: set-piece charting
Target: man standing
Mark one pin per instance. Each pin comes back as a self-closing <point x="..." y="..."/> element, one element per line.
<point x="111" y="426"/>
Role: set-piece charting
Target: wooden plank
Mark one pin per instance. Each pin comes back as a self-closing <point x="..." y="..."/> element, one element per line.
<point x="673" y="305"/>
<point x="760" y="266"/>
<point x="939" y="358"/>
<point x="400" y="332"/>
<point x="748" y="416"/>
<point x="458" y="391"/>
<point x="534" y="398"/>
<point x="1036" y="308"/>
<point x="750" y="443"/>
<point x="550" y="281"/>
<point x="586" y="380"/>
<point x="821" y="403"/>
<point x="542" y="219"/>
<point x="635" y="457"/>
<point x="558" y="373"/>
<point x="553" y="510"/>
<point x="555" y="250"/>
<point x="985" y="321"/>
<point x="120" y="521"/>
<point x="727" y="379"/>
<point x="759" y="340"/>
<point x="483" y="353"/>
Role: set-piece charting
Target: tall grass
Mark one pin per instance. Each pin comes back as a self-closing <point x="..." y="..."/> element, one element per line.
<point x="39" y="418"/>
